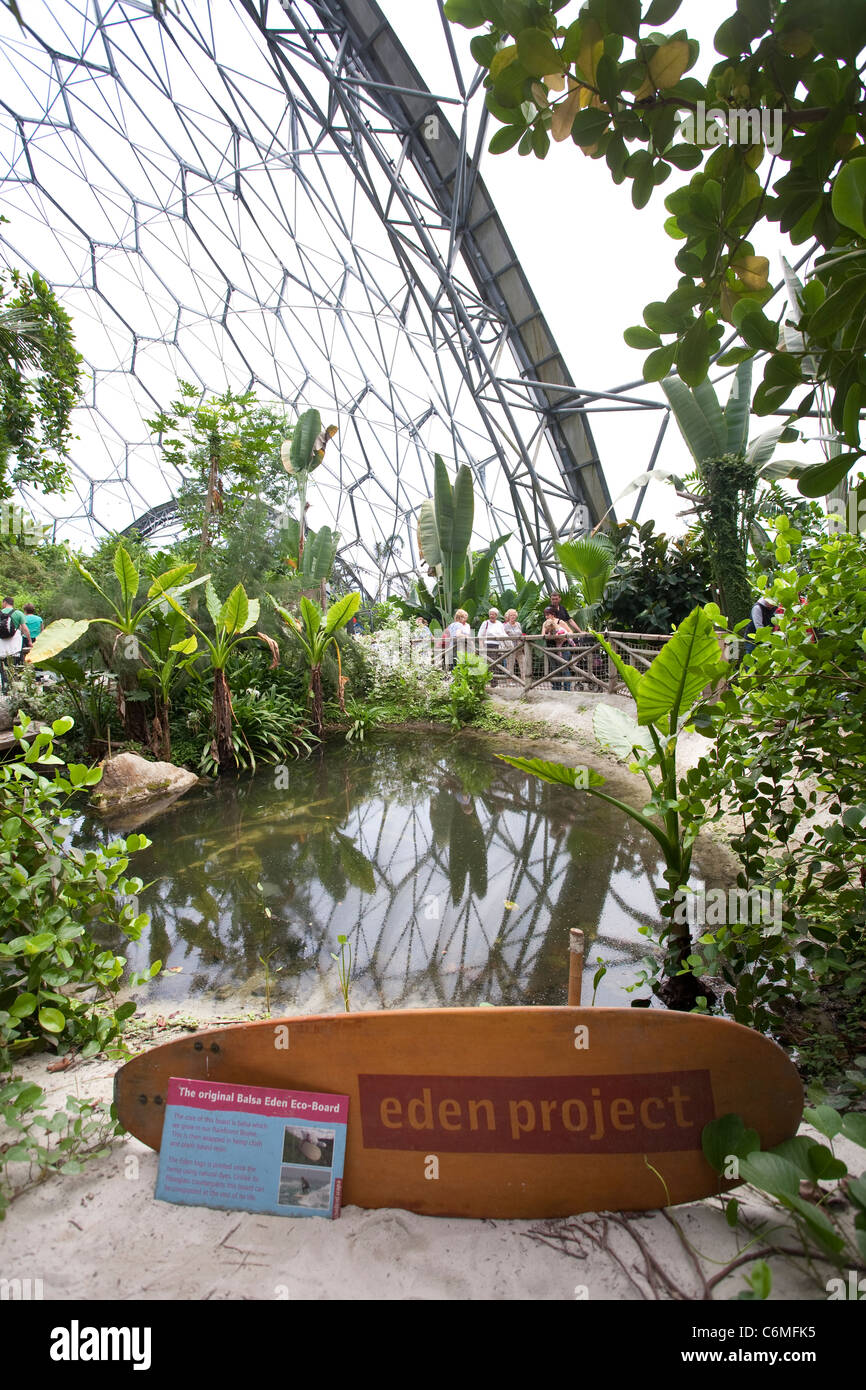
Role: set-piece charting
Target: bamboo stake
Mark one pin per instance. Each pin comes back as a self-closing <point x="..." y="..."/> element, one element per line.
<point x="575" y="966"/>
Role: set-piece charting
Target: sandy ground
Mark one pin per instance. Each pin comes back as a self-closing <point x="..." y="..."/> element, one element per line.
<point x="102" y="1235"/>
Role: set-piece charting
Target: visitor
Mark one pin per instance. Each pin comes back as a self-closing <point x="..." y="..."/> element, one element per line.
<point x="421" y="642"/>
<point x="559" y="612"/>
<point x="15" y="639"/>
<point x="763" y="615"/>
<point x="555" y="634"/>
<point x="456" y="638"/>
<point x="34" y="623"/>
<point x="519" y="652"/>
<point x="491" y="638"/>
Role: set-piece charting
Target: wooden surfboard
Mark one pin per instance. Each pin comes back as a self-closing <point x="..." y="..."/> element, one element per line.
<point x="506" y="1112"/>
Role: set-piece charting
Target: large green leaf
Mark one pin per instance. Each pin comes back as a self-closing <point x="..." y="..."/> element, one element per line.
<point x="311" y="616"/>
<point x="235" y="611"/>
<point x="771" y="1173"/>
<point x="252" y="615"/>
<point x="168" y="579"/>
<point x="761" y="450"/>
<point x="56" y="637"/>
<point x="591" y="561"/>
<point x="319" y="553"/>
<point x="212" y="602"/>
<point x="738" y="409"/>
<point x="821" y="478"/>
<point x="702" y="441"/>
<point x="725" y="1138"/>
<point x="443" y="500"/>
<point x="685" y="664"/>
<point x="341" y="612"/>
<point x="305" y="434"/>
<point x="464" y="511"/>
<point x="474" y="590"/>
<point x="708" y="403"/>
<point x="618" y="733"/>
<point x="127" y="578"/>
<point x="819" y="1224"/>
<point x="849" y="195"/>
<point x="428" y="534"/>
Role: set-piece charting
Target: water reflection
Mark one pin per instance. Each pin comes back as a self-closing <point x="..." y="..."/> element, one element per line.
<point x="455" y="877"/>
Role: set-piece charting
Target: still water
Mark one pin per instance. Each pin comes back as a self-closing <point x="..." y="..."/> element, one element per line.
<point x="455" y="878"/>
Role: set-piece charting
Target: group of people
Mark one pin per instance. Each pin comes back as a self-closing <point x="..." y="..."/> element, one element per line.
<point x="19" y="628"/>
<point x="500" y="640"/>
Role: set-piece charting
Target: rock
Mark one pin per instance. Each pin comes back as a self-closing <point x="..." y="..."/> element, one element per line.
<point x="7" y="715"/>
<point x="128" y="780"/>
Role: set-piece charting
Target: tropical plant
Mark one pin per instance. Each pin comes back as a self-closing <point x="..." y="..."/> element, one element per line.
<point x="59" y="1143"/>
<point x="404" y="682"/>
<point x="315" y="634"/>
<point x="657" y="581"/>
<point x="344" y="968"/>
<point x="129" y="621"/>
<point x="227" y="451"/>
<point x="40" y="375"/>
<point x="604" y="75"/>
<point x="58" y="986"/>
<point x="89" y="695"/>
<point x="668" y="695"/>
<point x="589" y="562"/>
<point x="364" y="718"/>
<point x="790" y="764"/>
<point x="830" y="1221"/>
<point x="267" y="726"/>
<point x="444" y="533"/>
<point x="300" y="456"/>
<point x="729" y="470"/>
<point x="467" y="692"/>
<point x="232" y="622"/>
<point x="317" y="555"/>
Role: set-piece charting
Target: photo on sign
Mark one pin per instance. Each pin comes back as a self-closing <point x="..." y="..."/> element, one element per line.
<point x="303" y="1144"/>
<point x="304" y="1187"/>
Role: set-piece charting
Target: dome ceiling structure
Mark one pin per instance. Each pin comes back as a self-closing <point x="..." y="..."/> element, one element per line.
<point x="267" y="196"/>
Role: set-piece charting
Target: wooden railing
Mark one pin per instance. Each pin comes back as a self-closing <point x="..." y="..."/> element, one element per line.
<point x="580" y="663"/>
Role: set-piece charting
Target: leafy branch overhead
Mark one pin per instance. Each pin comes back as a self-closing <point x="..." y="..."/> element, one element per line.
<point x="776" y="133"/>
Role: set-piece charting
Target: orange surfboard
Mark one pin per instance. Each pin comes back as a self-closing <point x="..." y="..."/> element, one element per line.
<point x="506" y="1112"/>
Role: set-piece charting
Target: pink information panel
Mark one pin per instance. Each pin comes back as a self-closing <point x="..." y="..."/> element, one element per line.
<point x="252" y="1148"/>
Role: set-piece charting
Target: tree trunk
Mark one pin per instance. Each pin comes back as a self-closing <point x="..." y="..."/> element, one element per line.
<point x="222" y="722"/>
<point x="160" y="732"/>
<point x="213" y="477"/>
<point x="730" y="484"/>
<point x="318" y="703"/>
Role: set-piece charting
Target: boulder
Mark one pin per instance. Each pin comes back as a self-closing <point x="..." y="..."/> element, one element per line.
<point x="7" y="715"/>
<point x="128" y="780"/>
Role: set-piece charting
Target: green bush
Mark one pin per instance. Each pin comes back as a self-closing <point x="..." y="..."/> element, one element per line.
<point x="467" y="695"/>
<point x="58" y="986"/>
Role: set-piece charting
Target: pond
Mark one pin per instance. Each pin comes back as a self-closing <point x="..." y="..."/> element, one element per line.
<point x="455" y="877"/>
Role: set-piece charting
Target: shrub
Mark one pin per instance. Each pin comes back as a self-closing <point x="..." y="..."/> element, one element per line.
<point x="57" y="985"/>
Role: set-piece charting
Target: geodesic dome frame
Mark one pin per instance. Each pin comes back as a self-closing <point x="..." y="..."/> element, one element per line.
<point x="261" y="196"/>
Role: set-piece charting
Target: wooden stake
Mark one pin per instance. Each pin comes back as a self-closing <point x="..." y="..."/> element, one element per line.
<point x="575" y="966"/>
